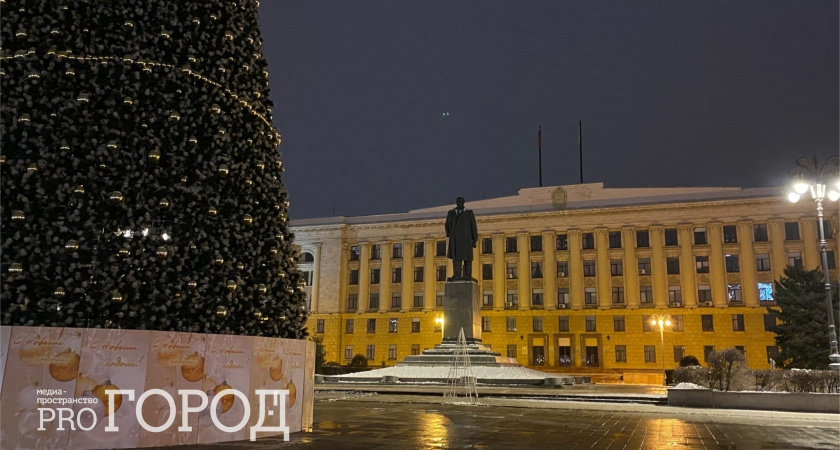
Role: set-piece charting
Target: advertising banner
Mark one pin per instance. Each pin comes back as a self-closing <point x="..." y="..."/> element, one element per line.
<point x="227" y="367"/>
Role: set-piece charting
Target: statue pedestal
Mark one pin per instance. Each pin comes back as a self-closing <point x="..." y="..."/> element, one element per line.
<point x="461" y="309"/>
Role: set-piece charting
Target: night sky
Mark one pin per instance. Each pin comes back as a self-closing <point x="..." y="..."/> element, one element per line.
<point x="703" y="93"/>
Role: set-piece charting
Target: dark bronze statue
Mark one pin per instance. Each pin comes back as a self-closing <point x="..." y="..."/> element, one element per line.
<point x="463" y="235"/>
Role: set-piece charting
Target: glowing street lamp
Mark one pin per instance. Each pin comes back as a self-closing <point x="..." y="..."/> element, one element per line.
<point x="663" y="321"/>
<point x="439" y="321"/>
<point x="810" y="176"/>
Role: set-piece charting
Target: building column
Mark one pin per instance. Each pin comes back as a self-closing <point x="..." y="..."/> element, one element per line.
<point x="717" y="268"/>
<point x="811" y="258"/>
<point x="549" y="274"/>
<point x="688" y="280"/>
<point x="749" y="285"/>
<point x="524" y="247"/>
<point x="631" y="267"/>
<point x="778" y="255"/>
<point x="407" y="276"/>
<point x="343" y="278"/>
<point x="499" y="275"/>
<point x="429" y="274"/>
<point x="602" y="268"/>
<point x="657" y="261"/>
<point x="476" y="264"/>
<point x="364" y="276"/>
<point x="385" y="277"/>
<point x="316" y="275"/>
<point x="575" y="272"/>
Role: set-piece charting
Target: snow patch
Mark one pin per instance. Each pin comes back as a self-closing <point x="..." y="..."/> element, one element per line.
<point x="688" y="386"/>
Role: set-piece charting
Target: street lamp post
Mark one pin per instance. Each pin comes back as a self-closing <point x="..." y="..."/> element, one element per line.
<point x="439" y="320"/>
<point x="809" y="179"/>
<point x="663" y="321"/>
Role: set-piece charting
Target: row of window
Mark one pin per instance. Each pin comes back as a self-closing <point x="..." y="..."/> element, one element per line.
<point x="707" y="323"/>
<point x="671" y="238"/>
<point x="590" y="297"/>
<point x="672" y="266"/>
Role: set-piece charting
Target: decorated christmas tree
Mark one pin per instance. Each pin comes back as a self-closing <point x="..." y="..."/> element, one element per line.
<point x="141" y="182"/>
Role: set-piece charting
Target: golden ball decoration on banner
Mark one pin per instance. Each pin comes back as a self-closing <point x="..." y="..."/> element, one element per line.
<point x="15" y="268"/>
<point x="116" y="197"/>
<point x="72" y="245"/>
<point x="59" y="292"/>
<point x="230" y="285"/>
<point x="221" y="312"/>
<point x="116" y="297"/>
<point x="161" y="252"/>
<point x="18" y="215"/>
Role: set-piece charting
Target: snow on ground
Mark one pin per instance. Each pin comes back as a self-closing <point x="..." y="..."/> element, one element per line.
<point x="481" y="372"/>
<point x="688" y="386"/>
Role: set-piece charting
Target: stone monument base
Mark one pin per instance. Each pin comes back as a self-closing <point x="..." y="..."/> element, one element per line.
<point x="442" y="355"/>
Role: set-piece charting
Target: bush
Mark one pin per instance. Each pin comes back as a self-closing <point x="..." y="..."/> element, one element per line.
<point x="358" y="361"/>
<point x="691" y="374"/>
<point x="689" y="360"/>
<point x="331" y="364"/>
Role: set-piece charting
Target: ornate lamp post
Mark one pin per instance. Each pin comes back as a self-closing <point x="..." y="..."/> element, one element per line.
<point x="810" y="179"/>
<point x="439" y="321"/>
<point x="663" y="321"/>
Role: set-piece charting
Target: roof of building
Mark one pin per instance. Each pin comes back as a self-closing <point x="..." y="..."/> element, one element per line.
<point x="567" y="197"/>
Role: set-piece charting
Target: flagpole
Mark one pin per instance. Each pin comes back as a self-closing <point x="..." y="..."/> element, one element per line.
<point x="580" y="148"/>
<point x="539" y="149"/>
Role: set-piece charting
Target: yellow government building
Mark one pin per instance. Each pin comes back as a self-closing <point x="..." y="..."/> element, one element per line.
<point x="570" y="276"/>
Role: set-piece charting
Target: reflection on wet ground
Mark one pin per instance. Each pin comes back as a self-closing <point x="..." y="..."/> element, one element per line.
<point x="366" y="423"/>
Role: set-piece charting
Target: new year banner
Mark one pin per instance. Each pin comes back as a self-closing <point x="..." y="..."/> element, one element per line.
<point x="279" y="365"/>
<point x="175" y="363"/>
<point x="112" y="360"/>
<point x="227" y="373"/>
<point x="83" y="388"/>
<point x="40" y="372"/>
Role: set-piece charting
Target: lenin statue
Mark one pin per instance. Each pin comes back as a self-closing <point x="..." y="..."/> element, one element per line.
<point x="463" y="235"/>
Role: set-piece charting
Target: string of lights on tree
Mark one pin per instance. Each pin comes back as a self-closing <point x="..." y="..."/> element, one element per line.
<point x="141" y="185"/>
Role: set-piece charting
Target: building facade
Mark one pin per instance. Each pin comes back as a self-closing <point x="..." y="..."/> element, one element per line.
<point x="570" y="275"/>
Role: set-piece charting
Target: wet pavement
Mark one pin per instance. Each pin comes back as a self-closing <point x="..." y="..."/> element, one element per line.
<point x="370" y="421"/>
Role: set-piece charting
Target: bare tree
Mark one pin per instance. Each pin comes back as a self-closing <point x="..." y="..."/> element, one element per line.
<point x="724" y="365"/>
